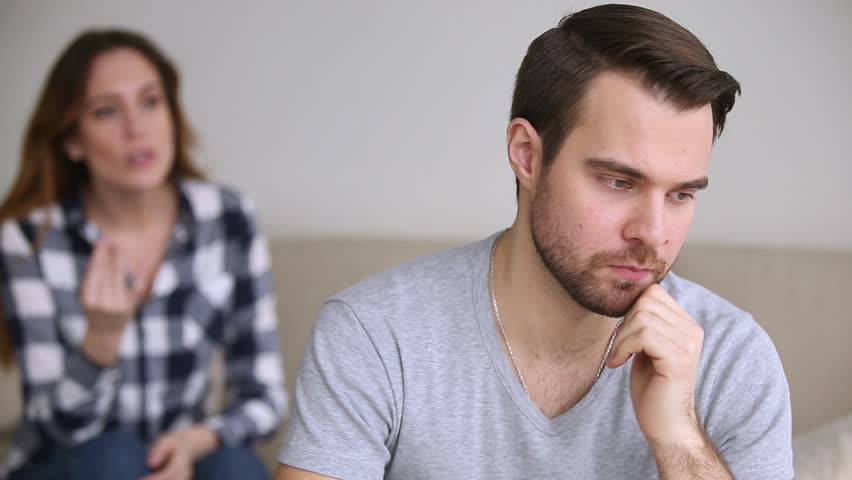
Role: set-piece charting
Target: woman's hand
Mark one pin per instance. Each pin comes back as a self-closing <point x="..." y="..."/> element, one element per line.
<point x="174" y="454"/>
<point x="109" y="297"/>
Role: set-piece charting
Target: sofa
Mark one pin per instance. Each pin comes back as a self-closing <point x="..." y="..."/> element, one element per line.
<point x="798" y="296"/>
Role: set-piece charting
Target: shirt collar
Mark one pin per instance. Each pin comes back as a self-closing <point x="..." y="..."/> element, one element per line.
<point x="74" y="215"/>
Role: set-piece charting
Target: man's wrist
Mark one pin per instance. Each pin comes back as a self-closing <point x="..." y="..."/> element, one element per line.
<point x="682" y="433"/>
<point x="689" y="455"/>
<point x="689" y="441"/>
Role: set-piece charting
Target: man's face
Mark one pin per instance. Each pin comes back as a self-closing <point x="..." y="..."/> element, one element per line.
<point x="611" y="213"/>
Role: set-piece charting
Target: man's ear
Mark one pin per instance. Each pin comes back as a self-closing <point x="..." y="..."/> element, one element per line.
<point x="525" y="153"/>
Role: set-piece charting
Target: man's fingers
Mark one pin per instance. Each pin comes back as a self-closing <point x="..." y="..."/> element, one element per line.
<point x="658" y="343"/>
<point x="658" y="293"/>
<point x="664" y="309"/>
<point x="659" y="312"/>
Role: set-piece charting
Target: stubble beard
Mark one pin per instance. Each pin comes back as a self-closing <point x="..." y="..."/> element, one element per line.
<point x="611" y="298"/>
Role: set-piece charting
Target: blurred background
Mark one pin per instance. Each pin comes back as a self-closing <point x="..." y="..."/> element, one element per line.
<point x="387" y="118"/>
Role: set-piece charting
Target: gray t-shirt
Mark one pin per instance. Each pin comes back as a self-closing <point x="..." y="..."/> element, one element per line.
<point x="405" y="377"/>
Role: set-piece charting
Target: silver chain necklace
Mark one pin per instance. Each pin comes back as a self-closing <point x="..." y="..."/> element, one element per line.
<point x="496" y="310"/>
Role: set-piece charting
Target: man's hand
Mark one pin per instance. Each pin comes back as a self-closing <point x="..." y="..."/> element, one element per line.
<point x="174" y="454"/>
<point x="667" y="343"/>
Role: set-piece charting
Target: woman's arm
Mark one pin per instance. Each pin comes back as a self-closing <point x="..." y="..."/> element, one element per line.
<point x="66" y="393"/>
<point x="254" y="370"/>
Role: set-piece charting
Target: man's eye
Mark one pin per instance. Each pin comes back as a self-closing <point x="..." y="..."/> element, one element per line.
<point x="682" y="196"/>
<point x="617" y="183"/>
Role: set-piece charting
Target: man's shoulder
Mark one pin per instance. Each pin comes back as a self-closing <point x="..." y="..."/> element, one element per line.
<point x="424" y="281"/>
<point x="694" y="297"/>
<point x="722" y="321"/>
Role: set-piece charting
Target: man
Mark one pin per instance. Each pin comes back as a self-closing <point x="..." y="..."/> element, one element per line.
<point x="562" y="347"/>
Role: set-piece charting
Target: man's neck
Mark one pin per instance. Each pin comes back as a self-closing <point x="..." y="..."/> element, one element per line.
<point x="537" y="313"/>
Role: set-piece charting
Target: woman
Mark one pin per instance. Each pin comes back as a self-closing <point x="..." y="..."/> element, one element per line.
<point x="121" y="272"/>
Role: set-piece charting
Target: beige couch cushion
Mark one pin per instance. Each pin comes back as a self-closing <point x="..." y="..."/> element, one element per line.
<point x="801" y="298"/>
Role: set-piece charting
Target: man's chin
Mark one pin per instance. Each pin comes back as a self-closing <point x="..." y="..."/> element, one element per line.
<point x="628" y="287"/>
<point x="614" y="301"/>
<point x="616" y="309"/>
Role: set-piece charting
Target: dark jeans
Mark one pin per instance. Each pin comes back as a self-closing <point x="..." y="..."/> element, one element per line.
<point x="118" y="455"/>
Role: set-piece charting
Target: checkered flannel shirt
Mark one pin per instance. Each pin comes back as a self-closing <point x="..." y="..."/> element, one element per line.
<point x="213" y="291"/>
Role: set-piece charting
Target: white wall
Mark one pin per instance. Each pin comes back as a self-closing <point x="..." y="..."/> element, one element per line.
<point x="388" y="117"/>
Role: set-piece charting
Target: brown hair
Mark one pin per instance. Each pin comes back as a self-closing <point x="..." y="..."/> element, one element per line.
<point x="46" y="174"/>
<point x="559" y="65"/>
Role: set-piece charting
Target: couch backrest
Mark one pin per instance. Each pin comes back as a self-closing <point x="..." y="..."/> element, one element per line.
<point x="802" y="300"/>
<point x="799" y="296"/>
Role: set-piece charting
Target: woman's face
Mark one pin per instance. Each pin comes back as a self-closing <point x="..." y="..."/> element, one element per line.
<point x="125" y="132"/>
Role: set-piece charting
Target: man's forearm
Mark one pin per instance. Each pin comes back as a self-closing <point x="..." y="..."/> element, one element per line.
<point x="698" y="461"/>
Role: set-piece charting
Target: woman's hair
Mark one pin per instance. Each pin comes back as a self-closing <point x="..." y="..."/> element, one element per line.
<point x="46" y="173"/>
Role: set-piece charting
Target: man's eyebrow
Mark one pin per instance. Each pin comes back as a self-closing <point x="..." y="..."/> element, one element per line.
<point x="617" y="167"/>
<point x="697" y="184"/>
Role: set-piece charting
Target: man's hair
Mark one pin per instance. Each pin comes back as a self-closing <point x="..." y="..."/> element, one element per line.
<point x="561" y="63"/>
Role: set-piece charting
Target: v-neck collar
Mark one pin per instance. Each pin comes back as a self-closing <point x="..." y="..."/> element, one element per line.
<point x="493" y="343"/>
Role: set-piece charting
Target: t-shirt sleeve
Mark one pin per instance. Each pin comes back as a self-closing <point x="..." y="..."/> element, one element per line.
<point x="747" y="405"/>
<point x="344" y="413"/>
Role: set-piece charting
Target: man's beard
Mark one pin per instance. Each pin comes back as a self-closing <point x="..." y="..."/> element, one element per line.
<point x="611" y="299"/>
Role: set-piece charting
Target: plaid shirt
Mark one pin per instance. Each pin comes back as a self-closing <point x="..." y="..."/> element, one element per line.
<point x="213" y="291"/>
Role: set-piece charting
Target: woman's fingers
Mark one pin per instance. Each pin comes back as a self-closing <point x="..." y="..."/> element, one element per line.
<point x="107" y="296"/>
<point x="93" y="281"/>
